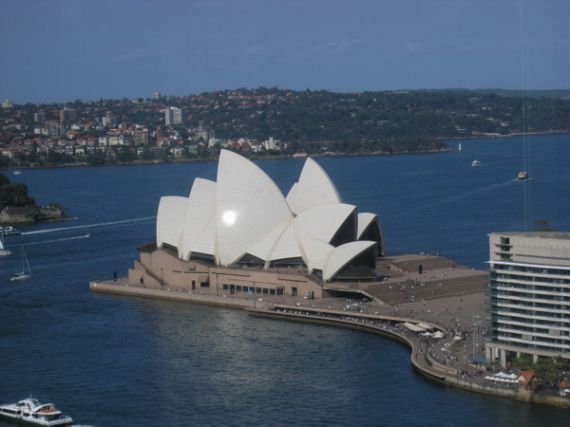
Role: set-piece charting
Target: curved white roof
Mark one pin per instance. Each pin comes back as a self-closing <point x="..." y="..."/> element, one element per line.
<point x="170" y="220"/>
<point x="317" y="252"/>
<point x="287" y="246"/>
<point x="322" y="222"/>
<point x="343" y="254"/>
<point x="248" y="205"/>
<point x="200" y="211"/>
<point x="314" y="188"/>
<point x="262" y="248"/>
<point x="364" y="220"/>
<point x="244" y="212"/>
<point x="206" y="241"/>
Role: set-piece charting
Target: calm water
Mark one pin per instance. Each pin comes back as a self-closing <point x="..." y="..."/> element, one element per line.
<point x="112" y="361"/>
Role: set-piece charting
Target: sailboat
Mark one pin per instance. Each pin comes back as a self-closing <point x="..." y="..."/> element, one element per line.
<point x="26" y="272"/>
<point x="3" y="251"/>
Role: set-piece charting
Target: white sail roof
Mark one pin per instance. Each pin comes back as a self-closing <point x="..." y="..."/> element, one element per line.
<point x="206" y="241"/>
<point x="343" y="254"/>
<point x="364" y="220"/>
<point x="287" y="246"/>
<point x="262" y="248"/>
<point x="314" y="188"/>
<point x="248" y="205"/>
<point x="322" y="222"/>
<point x="170" y="220"/>
<point x="317" y="252"/>
<point x="244" y="212"/>
<point x="200" y="211"/>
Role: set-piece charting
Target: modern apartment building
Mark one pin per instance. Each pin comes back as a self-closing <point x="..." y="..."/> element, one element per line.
<point x="529" y="295"/>
<point x="172" y="116"/>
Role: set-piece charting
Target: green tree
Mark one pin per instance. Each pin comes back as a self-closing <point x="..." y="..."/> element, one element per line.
<point x="16" y="195"/>
<point x="3" y="180"/>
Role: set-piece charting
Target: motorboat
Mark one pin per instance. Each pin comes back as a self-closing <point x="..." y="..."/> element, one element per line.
<point x="9" y="230"/>
<point x="475" y="163"/>
<point x="31" y="411"/>
<point x="522" y="175"/>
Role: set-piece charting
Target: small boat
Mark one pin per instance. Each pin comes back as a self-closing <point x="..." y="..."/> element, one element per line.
<point x="31" y="411"/>
<point x="26" y="272"/>
<point x="475" y="163"/>
<point x="522" y="175"/>
<point x="3" y="250"/>
<point x="459" y="147"/>
<point x="17" y="172"/>
<point x="8" y="230"/>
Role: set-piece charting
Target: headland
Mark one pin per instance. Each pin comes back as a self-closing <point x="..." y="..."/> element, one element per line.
<point x="239" y="242"/>
<point x="414" y="310"/>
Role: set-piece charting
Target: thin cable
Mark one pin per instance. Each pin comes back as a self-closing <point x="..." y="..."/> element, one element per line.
<point x="524" y="110"/>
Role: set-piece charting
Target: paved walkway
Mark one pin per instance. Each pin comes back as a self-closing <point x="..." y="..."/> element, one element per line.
<point x="446" y="359"/>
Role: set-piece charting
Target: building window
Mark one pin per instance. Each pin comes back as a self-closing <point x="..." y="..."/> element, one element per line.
<point x="265" y="291"/>
<point x="204" y="284"/>
<point x="271" y="291"/>
<point x="280" y="291"/>
<point x="238" y="288"/>
<point x="193" y="284"/>
<point x="294" y="291"/>
<point x="226" y="287"/>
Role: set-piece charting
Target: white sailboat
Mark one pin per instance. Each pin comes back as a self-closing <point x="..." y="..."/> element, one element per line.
<point x="3" y="250"/>
<point x="26" y="272"/>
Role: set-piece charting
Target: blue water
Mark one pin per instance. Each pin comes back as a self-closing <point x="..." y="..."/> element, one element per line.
<point x="113" y="361"/>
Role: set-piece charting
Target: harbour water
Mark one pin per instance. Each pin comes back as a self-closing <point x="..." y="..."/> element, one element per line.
<point x="112" y="361"/>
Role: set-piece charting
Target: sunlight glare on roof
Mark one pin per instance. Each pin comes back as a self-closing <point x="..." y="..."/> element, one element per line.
<point x="229" y="217"/>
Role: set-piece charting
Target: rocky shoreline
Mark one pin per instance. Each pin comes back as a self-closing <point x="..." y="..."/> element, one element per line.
<point x="32" y="214"/>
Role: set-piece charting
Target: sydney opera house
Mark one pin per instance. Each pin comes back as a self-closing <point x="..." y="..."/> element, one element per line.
<point x="240" y="236"/>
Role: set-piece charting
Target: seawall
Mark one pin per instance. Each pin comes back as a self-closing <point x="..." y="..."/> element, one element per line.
<point x="386" y="326"/>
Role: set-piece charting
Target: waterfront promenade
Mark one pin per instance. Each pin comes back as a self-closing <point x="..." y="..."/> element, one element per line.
<point x="441" y="341"/>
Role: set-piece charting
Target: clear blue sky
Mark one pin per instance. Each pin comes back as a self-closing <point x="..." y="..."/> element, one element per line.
<point x="58" y="50"/>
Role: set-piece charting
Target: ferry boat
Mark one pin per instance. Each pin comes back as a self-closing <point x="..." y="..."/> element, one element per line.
<point x="31" y="411"/>
<point x="522" y="175"/>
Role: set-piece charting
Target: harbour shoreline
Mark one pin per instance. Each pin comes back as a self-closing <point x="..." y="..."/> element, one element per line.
<point x="387" y="326"/>
<point x="315" y="155"/>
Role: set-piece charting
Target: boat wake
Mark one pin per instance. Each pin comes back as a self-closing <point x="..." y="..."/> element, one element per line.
<point x="81" y="227"/>
<point x="63" y="239"/>
<point x="462" y="195"/>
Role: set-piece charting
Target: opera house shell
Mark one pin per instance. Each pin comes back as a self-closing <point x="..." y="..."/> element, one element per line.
<point x="244" y="220"/>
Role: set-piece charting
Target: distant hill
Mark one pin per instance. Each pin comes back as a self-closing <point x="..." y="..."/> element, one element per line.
<point x="542" y="93"/>
<point x="364" y="119"/>
<point x="251" y="120"/>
